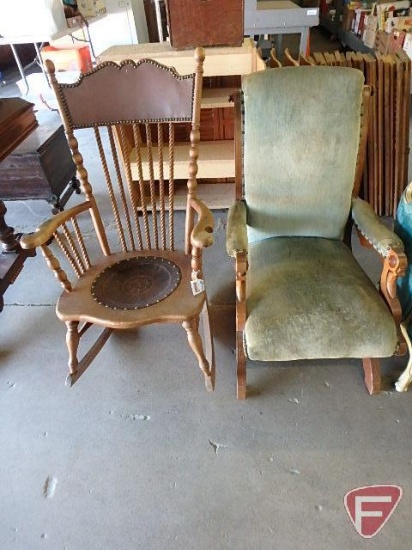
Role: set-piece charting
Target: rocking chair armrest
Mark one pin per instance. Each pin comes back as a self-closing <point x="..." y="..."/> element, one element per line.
<point x="236" y="236"/>
<point x="202" y="233"/>
<point x="45" y="230"/>
<point x="383" y="239"/>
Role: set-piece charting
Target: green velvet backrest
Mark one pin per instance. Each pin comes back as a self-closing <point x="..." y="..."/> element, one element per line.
<point x="301" y="129"/>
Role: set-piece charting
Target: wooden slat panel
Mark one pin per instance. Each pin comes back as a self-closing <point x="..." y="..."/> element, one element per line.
<point x="399" y="131"/>
<point x="216" y="160"/>
<point x="370" y="79"/>
<point x="386" y="167"/>
<point x="380" y="133"/>
<point x="388" y="66"/>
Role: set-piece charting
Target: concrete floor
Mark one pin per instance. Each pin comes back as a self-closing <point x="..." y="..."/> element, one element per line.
<point x="137" y="455"/>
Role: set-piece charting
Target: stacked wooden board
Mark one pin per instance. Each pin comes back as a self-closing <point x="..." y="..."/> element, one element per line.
<point x="386" y="167"/>
<point x="389" y="76"/>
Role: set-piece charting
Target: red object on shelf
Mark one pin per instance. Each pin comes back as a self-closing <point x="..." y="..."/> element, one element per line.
<point x="75" y="57"/>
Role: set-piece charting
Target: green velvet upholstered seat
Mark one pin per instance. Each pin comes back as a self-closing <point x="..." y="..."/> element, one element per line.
<point x="300" y="293"/>
<point x="308" y="298"/>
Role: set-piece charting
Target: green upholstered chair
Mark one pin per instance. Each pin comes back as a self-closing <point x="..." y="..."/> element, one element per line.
<point x="300" y="293"/>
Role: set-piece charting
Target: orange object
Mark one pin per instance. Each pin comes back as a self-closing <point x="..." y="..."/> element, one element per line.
<point x="307" y="53"/>
<point x="75" y="57"/>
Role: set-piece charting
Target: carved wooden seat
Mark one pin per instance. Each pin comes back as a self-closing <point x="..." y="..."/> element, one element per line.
<point x="141" y="271"/>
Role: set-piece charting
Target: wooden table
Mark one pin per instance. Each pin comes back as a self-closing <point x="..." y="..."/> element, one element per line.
<point x="219" y="61"/>
<point x="280" y="17"/>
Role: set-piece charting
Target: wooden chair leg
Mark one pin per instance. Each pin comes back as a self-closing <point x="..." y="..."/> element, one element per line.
<point x="72" y="340"/>
<point x="241" y="366"/>
<point x="372" y="370"/>
<point x="86" y="361"/>
<point x="208" y="342"/>
<point x="195" y="343"/>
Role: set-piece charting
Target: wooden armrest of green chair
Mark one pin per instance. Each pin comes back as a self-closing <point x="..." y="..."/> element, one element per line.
<point x="373" y="229"/>
<point x="236" y="236"/>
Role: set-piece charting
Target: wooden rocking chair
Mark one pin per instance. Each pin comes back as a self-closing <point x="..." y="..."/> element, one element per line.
<point x="149" y="280"/>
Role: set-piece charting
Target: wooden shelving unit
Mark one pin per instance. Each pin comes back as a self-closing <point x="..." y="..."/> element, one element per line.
<point x="333" y="24"/>
<point x="216" y="152"/>
<point x="216" y="161"/>
<point x="215" y="98"/>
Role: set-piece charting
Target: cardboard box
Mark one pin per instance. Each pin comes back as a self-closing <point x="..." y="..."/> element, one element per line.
<point x="396" y="41"/>
<point x="383" y="10"/>
<point x="382" y="42"/>
<point x="198" y="23"/>
<point x="389" y="42"/>
<point x="371" y="23"/>
<point x="407" y="44"/>
<point x="369" y="38"/>
<point x="399" y="23"/>
<point x="91" y="8"/>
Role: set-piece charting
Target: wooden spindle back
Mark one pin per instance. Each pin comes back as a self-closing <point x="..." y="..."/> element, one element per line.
<point x="133" y="109"/>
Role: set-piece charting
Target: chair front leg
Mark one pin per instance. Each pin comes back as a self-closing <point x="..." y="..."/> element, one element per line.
<point x="195" y="342"/>
<point x="394" y="266"/>
<point x="241" y="367"/>
<point x="241" y="270"/>
<point x="72" y="341"/>
<point x="208" y="344"/>
<point x="372" y="370"/>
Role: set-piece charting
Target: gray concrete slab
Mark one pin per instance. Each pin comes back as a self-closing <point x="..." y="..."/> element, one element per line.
<point x="139" y="455"/>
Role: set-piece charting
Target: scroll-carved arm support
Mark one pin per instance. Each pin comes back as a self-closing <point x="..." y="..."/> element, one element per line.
<point x="202" y="233"/>
<point x="241" y="266"/>
<point x="45" y="231"/>
<point x="394" y="266"/>
<point x="390" y="247"/>
<point x="237" y="247"/>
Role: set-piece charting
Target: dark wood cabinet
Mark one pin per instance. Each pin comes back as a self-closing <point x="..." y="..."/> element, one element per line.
<point x="17" y="120"/>
<point x="35" y="163"/>
<point x="41" y="167"/>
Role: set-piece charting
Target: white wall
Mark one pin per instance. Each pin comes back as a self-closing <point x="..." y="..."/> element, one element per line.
<point x="125" y="23"/>
<point x="140" y="20"/>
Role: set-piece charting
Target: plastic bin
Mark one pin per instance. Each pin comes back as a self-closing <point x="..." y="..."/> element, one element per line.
<point x="74" y="57"/>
